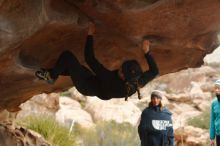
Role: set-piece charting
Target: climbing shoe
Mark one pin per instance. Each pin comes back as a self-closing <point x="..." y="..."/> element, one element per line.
<point x="44" y="74"/>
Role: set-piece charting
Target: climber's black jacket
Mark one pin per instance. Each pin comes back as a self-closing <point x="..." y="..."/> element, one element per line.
<point x="99" y="81"/>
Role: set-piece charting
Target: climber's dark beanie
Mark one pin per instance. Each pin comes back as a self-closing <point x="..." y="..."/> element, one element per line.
<point x="131" y="70"/>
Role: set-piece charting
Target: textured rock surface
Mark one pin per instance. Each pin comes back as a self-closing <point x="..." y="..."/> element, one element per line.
<point x="33" y="33"/>
<point x="191" y="136"/>
<point x="19" y="136"/>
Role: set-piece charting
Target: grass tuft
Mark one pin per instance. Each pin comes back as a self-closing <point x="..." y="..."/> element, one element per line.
<point x="201" y="121"/>
<point x="51" y="130"/>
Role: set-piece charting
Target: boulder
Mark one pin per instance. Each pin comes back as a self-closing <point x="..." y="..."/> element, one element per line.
<point x="70" y="113"/>
<point x="191" y="136"/>
<point x="42" y="104"/>
<point x="64" y="109"/>
<point x="33" y="34"/>
<point x="113" y="109"/>
<point x="18" y="136"/>
<point x="212" y="59"/>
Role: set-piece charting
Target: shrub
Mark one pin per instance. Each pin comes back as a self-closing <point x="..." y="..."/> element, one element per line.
<point x="49" y="129"/>
<point x="201" y="121"/>
<point x="109" y="134"/>
<point x="65" y="93"/>
<point x="103" y="134"/>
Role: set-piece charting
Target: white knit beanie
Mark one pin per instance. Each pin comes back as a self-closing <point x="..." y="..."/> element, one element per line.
<point x="217" y="82"/>
<point x="157" y="93"/>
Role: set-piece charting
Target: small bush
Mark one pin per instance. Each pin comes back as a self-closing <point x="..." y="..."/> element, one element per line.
<point x="103" y="134"/>
<point x="214" y="64"/>
<point x="206" y="144"/>
<point x="65" y="93"/>
<point x="201" y="121"/>
<point x="142" y="105"/>
<point x="109" y="134"/>
<point x="50" y="130"/>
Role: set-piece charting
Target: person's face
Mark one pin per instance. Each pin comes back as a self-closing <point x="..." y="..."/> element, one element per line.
<point x="121" y="74"/>
<point x="146" y="43"/>
<point x="217" y="89"/>
<point x="155" y="100"/>
<point x="146" y="46"/>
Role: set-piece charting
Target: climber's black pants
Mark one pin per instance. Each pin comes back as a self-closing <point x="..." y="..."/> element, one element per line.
<point x="218" y="140"/>
<point x="83" y="79"/>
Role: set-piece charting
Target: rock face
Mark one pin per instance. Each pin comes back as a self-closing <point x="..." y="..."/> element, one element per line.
<point x="19" y="136"/>
<point x="33" y="34"/>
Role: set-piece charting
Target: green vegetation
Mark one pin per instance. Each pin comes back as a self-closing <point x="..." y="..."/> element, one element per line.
<point x="108" y="134"/>
<point x="142" y="105"/>
<point x="206" y="144"/>
<point x="214" y="64"/>
<point x="103" y="134"/>
<point x="213" y="95"/>
<point x="50" y="130"/>
<point x="65" y="93"/>
<point x="82" y="103"/>
<point x="201" y="121"/>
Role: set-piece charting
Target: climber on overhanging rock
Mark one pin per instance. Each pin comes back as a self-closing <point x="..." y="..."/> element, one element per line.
<point x="103" y="83"/>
